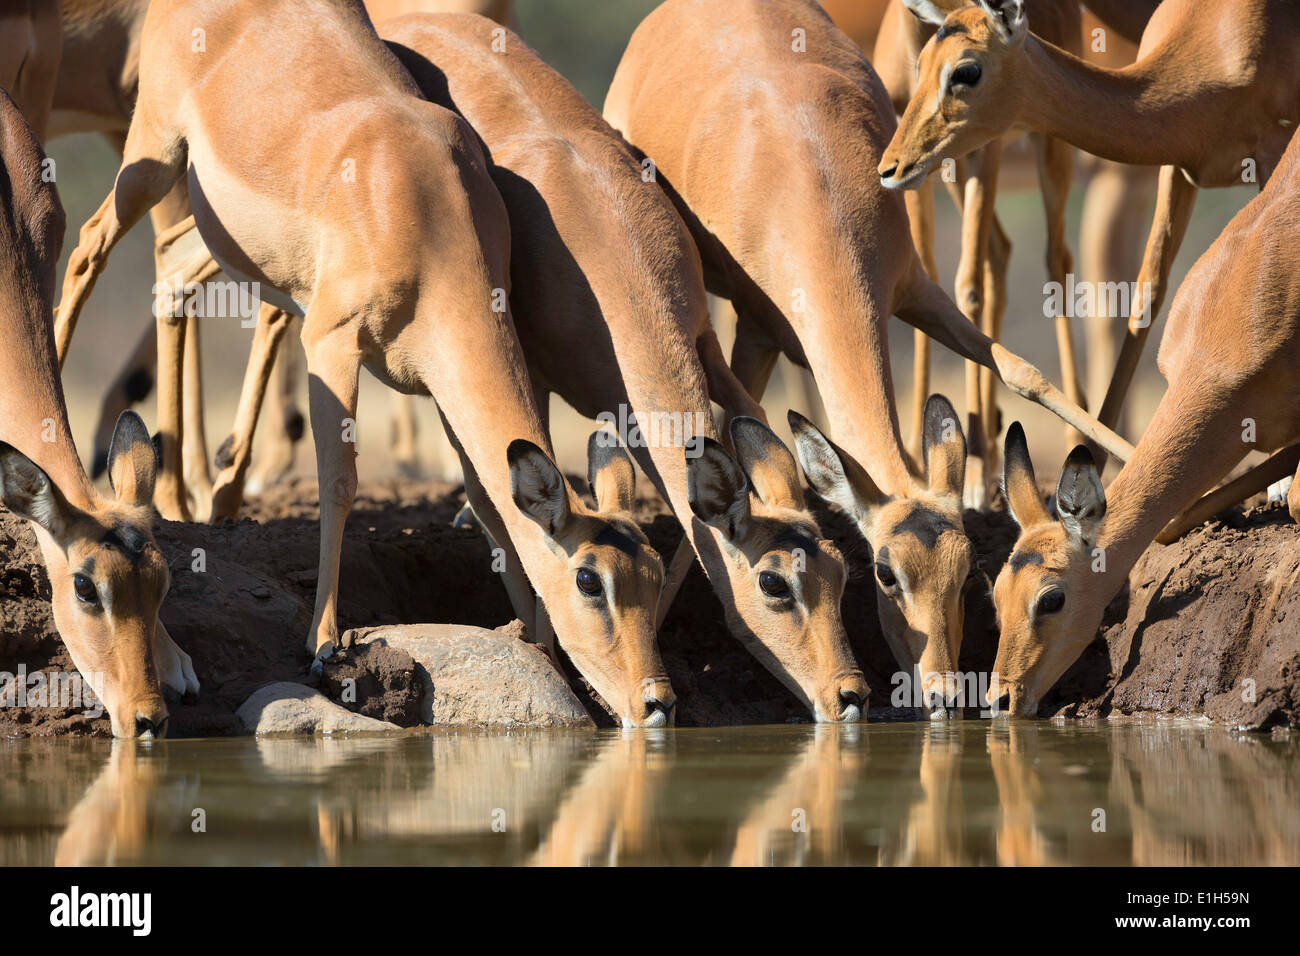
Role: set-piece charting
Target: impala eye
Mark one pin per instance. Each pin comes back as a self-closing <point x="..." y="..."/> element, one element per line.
<point x="885" y="575"/>
<point x="85" y="589"/>
<point x="968" y="74"/>
<point x="1051" y="602"/>
<point x="589" y="582"/>
<point x="774" y="585"/>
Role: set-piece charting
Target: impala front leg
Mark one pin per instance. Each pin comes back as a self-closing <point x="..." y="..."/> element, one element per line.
<point x="1055" y="165"/>
<point x="333" y="364"/>
<point x="977" y="223"/>
<point x="920" y="218"/>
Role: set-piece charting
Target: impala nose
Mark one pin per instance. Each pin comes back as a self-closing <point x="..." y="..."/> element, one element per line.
<point x="660" y="704"/>
<point x="853" y="693"/>
<point x="150" y="728"/>
<point x="887" y="172"/>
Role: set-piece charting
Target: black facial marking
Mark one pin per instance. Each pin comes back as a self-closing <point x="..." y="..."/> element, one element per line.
<point x="613" y="537"/>
<point x="130" y="541"/>
<point x="950" y="29"/>
<point x="926" y="526"/>
<point x="795" y="541"/>
<point x="1022" y="558"/>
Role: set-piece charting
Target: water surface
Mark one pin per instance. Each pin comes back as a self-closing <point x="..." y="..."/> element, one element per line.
<point x="966" y="792"/>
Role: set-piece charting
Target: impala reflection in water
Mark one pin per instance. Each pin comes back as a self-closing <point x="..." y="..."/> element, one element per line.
<point x="959" y="792"/>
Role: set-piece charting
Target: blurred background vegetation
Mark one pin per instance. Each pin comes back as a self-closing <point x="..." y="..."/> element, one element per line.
<point x="584" y="40"/>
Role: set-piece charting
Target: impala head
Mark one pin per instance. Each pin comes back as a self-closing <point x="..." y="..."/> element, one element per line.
<point x="965" y="90"/>
<point x="923" y="559"/>
<point x="784" y="579"/>
<point x="602" y="590"/>
<point x="107" y="576"/>
<point x="1048" y="599"/>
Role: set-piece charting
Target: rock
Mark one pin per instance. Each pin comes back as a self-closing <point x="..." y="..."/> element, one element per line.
<point x="474" y="676"/>
<point x="288" y="708"/>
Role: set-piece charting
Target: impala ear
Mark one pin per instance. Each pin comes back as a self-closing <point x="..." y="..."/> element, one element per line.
<point x="28" y="492"/>
<point x="1080" y="498"/>
<point x="716" y="486"/>
<point x="768" y="464"/>
<point x="1018" y="480"/>
<point x="943" y="447"/>
<point x="832" y="472"/>
<point x="537" y="486"/>
<point x="610" y="472"/>
<point x="1009" y="19"/>
<point x="132" y="461"/>
<point x="926" y="10"/>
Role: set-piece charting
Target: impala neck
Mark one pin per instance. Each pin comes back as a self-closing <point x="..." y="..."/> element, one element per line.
<point x="1193" y="440"/>
<point x="1145" y="114"/>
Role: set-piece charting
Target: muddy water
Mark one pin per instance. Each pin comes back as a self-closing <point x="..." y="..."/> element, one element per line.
<point x="970" y="792"/>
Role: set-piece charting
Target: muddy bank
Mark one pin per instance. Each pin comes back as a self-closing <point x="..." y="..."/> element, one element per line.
<point x="1204" y="614"/>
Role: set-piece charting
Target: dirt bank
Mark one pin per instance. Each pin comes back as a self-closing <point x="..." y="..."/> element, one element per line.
<point x="1204" y="614"/>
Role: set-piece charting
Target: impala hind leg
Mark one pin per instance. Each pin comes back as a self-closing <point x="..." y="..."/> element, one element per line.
<point x="333" y="366"/>
<point x="236" y="451"/>
<point x="1175" y="197"/>
<point x="181" y="260"/>
<point x="1055" y="167"/>
<point x="149" y="171"/>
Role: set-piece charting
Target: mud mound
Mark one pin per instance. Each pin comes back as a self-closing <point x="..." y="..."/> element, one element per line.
<point x="1205" y="613"/>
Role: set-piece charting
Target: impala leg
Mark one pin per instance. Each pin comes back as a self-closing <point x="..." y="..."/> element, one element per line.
<point x="279" y="441"/>
<point x="405" y="435"/>
<point x="194" y="447"/>
<point x="1110" y="250"/>
<point x="752" y="359"/>
<point x="146" y="176"/>
<point x="995" y="306"/>
<point x="920" y="217"/>
<point x="1278" y="466"/>
<point x="977" y="221"/>
<point x="236" y="451"/>
<point x="333" y="365"/>
<point x="131" y="386"/>
<point x="181" y="261"/>
<point x="1055" y="165"/>
<point x="168" y="493"/>
<point x="1175" y="197"/>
